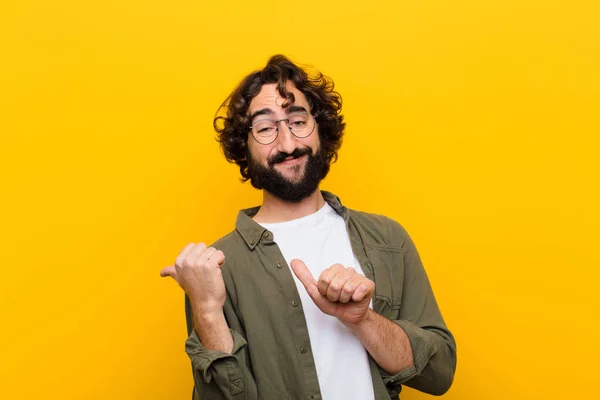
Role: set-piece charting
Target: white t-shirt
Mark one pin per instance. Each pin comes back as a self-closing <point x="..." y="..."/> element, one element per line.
<point x="321" y="240"/>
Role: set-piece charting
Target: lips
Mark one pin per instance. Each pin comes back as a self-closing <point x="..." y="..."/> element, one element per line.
<point x="288" y="158"/>
<point x="291" y="160"/>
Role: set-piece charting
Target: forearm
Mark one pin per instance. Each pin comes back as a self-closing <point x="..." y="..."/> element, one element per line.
<point x="219" y="375"/>
<point x="385" y="341"/>
<point x="434" y="357"/>
<point x="212" y="330"/>
<point x="219" y="359"/>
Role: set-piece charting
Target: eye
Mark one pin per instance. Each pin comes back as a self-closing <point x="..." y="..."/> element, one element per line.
<point x="264" y="127"/>
<point x="298" y="121"/>
<point x="265" y="130"/>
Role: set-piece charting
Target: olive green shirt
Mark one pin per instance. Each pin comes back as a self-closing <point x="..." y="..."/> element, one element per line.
<point x="272" y="357"/>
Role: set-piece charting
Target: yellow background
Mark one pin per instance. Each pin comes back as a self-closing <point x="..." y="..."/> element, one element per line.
<point x="473" y="123"/>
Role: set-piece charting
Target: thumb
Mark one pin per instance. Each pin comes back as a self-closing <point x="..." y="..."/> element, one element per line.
<point x="168" y="271"/>
<point x="301" y="271"/>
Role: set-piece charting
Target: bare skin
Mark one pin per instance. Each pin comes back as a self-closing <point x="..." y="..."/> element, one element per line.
<point x="273" y="209"/>
<point x="197" y="270"/>
<point x="339" y="291"/>
<point x="345" y="294"/>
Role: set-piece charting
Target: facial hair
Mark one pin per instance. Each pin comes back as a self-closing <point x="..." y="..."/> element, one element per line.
<point x="269" y="179"/>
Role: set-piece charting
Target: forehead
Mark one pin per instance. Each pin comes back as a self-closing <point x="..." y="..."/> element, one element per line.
<point x="269" y="97"/>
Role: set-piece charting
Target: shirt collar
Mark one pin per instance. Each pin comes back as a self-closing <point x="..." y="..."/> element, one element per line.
<point x="253" y="233"/>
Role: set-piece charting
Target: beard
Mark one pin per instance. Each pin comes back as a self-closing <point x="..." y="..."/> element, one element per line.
<point x="268" y="178"/>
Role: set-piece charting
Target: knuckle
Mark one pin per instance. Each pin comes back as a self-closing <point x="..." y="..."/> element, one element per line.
<point x="199" y="263"/>
<point x="322" y="289"/>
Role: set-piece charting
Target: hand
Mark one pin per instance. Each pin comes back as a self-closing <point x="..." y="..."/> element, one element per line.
<point x="197" y="270"/>
<point x="340" y="292"/>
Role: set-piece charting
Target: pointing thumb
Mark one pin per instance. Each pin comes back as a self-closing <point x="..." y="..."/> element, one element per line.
<point x="301" y="271"/>
<point x="168" y="271"/>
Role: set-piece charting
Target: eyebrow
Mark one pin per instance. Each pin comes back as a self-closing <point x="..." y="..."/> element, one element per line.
<point x="293" y="109"/>
<point x="268" y="111"/>
<point x="263" y="111"/>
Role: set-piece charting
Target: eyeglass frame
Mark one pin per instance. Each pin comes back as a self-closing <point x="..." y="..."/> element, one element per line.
<point x="314" y="117"/>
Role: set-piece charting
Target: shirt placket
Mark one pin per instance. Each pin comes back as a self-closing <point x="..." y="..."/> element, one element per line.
<point x="297" y="321"/>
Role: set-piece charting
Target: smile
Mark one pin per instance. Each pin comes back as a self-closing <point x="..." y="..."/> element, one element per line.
<point x="292" y="161"/>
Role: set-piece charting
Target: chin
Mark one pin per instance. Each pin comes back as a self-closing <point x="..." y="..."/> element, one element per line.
<point x="294" y="175"/>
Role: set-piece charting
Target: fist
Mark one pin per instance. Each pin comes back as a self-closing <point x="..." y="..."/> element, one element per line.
<point x="340" y="292"/>
<point x="197" y="270"/>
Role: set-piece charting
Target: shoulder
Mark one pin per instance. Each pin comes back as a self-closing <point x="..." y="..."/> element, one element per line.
<point x="378" y="229"/>
<point x="229" y="241"/>
<point x="231" y="244"/>
<point x="234" y="247"/>
<point x="237" y="261"/>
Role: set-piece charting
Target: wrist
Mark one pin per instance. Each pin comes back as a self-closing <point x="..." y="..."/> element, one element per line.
<point x="213" y="331"/>
<point x="210" y="323"/>
<point x="207" y="314"/>
<point x="366" y="320"/>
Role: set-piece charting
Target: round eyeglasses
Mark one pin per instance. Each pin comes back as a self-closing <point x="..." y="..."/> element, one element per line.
<point x="265" y="130"/>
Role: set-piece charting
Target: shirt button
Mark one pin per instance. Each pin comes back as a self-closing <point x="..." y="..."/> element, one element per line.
<point x="303" y="350"/>
<point x="252" y="242"/>
<point x="295" y="303"/>
<point x="266" y="235"/>
<point x="279" y="265"/>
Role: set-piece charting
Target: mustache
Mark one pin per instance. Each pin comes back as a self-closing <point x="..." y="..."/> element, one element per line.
<point x="298" y="152"/>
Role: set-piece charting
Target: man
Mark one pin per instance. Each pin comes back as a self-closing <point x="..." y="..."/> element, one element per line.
<point x="305" y="299"/>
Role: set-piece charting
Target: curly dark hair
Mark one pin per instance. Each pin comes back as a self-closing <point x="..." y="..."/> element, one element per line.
<point x="325" y="103"/>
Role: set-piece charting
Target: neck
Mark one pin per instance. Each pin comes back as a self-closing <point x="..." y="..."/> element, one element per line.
<point x="274" y="210"/>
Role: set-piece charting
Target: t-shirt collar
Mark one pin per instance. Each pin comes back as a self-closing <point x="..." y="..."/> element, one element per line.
<point x="253" y="233"/>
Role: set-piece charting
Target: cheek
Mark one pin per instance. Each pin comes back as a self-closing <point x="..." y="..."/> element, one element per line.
<point x="259" y="152"/>
<point x="313" y="141"/>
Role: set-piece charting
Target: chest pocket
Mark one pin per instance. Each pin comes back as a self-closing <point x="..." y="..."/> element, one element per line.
<point x="388" y="272"/>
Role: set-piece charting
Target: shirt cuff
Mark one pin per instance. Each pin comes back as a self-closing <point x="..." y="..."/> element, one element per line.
<point x="203" y="358"/>
<point x="423" y="348"/>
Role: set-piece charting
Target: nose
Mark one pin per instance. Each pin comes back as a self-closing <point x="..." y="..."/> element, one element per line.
<point x="286" y="141"/>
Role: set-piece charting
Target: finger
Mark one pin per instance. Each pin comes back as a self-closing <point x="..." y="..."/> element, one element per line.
<point x="206" y="254"/>
<point x="327" y="276"/>
<point x="304" y="275"/>
<point x="364" y="290"/>
<point x="337" y="283"/>
<point x="194" y="253"/>
<point x="183" y="254"/>
<point x="168" y="271"/>
<point x="218" y="257"/>
<point x="350" y="287"/>
<point x="302" y="272"/>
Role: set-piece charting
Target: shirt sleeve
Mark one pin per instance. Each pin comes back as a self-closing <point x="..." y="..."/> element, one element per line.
<point x="433" y="345"/>
<point x="219" y="375"/>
